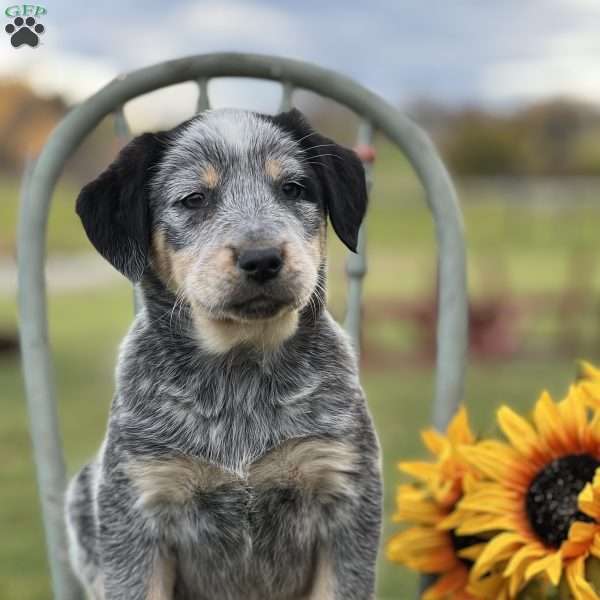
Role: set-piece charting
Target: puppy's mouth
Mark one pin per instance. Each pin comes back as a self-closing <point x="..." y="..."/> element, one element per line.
<point x="252" y="302"/>
<point x="257" y="307"/>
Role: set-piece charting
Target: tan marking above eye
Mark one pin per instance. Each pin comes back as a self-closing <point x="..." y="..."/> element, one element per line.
<point x="273" y="168"/>
<point x="209" y="176"/>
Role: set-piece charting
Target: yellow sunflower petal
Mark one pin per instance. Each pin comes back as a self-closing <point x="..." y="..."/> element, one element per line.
<point x="423" y="549"/>
<point x="516" y="582"/>
<point x="582" y="532"/>
<point x="551" y="565"/>
<point x="447" y="585"/>
<point x="484" y="522"/>
<point x="580" y="588"/>
<point x="418" y="538"/>
<point x="499" y="548"/>
<point x="524" y="556"/>
<point x="494" y="459"/>
<point x="453" y="520"/>
<point x="436" y="562"/>
<point x="519" y="432"/>
<point x="591" y="392"/>
<point x="574" y="418"/>
<point x="589" y="503"/>
<point x="415" y="507"/>
<point x="547" y="419"/>
<point x="586" y="370"/>
<point x="495" y="499"/>
<point x="421" y="470"/>
<point x="459" y="431"/>
<point x="471" y="552"/>
<point x="434" y="441"/>
<point x="580" y="539"/>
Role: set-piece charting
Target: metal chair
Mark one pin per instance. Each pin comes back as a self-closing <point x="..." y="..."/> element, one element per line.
<point x="39" y="184"/>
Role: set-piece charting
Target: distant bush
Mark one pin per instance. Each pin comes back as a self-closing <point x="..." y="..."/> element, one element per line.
<point x="25" y="120"/>
<point x="556" y="137"/>
<point x="480" y="143"/>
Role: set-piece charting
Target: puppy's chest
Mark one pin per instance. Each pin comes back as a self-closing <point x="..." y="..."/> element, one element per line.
<point x="239" y="526"/>
<point x="314" y="469"/>
<point x="231" y="423"/>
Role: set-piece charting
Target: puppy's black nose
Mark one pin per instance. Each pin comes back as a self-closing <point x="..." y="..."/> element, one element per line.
<point x="262" y="264"/>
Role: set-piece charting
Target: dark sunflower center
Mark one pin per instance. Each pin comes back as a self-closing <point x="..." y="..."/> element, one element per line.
<point x="551" y="501"/>
<point x="459" y="542"/>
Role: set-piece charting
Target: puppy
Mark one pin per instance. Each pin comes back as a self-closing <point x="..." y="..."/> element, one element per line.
<point x="240" y="461"/>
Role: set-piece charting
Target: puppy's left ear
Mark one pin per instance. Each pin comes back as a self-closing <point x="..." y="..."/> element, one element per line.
<point x="340" y="173"/>
<point x="343" y="179"/>
<point x="114" y="208"/>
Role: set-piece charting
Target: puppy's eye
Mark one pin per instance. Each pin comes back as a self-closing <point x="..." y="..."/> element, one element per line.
<point x="194" y="200"/>
<point x="292" y="190"/>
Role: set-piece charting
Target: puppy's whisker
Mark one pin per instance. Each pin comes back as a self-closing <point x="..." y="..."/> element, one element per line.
<point x="332" y="155"/>
<point x="311" y="133"/>
<point x="319" y="146"/>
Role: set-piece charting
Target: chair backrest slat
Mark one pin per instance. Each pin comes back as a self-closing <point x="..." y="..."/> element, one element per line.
<point x="287" y="93"/>
<point x="203" y="101"/>
<point x="122" y="130"/>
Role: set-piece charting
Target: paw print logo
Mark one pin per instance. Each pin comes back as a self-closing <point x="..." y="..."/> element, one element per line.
<point x="24" y="31"/>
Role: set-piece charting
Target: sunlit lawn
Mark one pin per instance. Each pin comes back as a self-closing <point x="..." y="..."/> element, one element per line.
<point x="507" y="247"/>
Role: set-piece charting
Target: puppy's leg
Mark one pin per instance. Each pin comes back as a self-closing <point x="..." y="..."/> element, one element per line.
<point x="346" y="556"/>
<point x="345" y="567"/>
<point x="135" y="564"/>
<point x="323" y="587"/>
<point x="81" y="529"/>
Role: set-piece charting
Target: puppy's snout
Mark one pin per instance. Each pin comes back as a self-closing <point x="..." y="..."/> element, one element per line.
<point x="261" y="264"/>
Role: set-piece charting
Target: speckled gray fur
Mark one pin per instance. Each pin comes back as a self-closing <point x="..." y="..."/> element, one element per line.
<point x="272" y="452"/>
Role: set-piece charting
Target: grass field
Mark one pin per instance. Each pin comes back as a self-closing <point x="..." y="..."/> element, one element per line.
<point x="534" y="249"/>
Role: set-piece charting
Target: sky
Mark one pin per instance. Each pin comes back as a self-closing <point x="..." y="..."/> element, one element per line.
<point x="454" y="52"/>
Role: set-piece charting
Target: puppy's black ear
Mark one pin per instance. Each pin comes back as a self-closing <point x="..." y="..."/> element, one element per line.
<point x="114" y="208"/>
<point x="340" y="174"/>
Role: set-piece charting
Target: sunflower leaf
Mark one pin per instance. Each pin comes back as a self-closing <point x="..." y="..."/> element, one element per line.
<point x="539" y="589"/>
<point x="592" y="572"/>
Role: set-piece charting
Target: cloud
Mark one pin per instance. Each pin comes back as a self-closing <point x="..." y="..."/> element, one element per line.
<point x="461" y="52"/>
<point x="564" y="63"/>
<point x="55" y="67"/>
<point x="50" y="71"/>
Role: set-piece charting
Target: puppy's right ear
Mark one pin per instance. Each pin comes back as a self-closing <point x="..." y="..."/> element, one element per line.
<point x="114" y="208"/>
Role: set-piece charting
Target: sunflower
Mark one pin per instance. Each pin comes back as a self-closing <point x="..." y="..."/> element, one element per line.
<point x="529" y="493"/>
<point x="444" y="478"/>
<point x="426" y="547"/>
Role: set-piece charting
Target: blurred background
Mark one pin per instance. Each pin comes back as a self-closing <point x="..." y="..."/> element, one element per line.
<point x="509" y="92"/>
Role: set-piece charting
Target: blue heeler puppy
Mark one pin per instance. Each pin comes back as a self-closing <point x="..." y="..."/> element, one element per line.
<point x="240" y="461"/>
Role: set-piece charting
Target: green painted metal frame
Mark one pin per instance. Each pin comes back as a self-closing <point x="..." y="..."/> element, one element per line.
<point x="38" y="187"/>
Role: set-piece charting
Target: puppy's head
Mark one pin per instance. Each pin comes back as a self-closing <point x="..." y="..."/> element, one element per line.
<point x="228" y="210"/>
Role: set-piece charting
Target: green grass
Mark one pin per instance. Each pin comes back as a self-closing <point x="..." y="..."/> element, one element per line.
<point x="64" y="234"/>
<point x="517" y="249"/>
